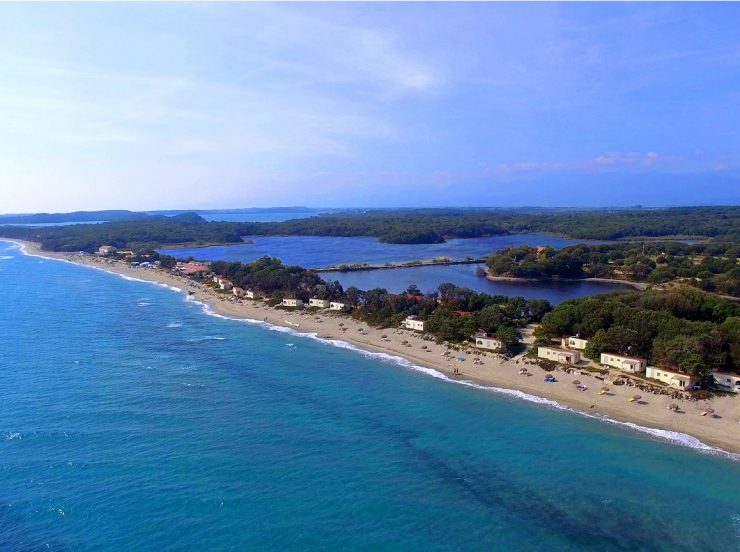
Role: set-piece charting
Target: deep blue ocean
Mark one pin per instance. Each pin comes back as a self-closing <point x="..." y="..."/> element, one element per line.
<point x="132" y="420"/>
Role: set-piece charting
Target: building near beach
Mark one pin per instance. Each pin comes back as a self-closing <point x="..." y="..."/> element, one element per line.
<point x="338" y="306"/>
<point x="239" y="292"/>
<point x="413" y="322"/>
<point x="574" y="342"/>
<point x="727" y="380"/>
<point x="484" y="341"/>
<point x="250" y="294"/>
<point x="319" y="303"/>
<point x="292" y="303"/>
<point x="225" y="284"/>
<point x="106" y="250"/>
<point x="556" y="354"/>
<point x="669" y="377"/>
<point x="632" y="365"/>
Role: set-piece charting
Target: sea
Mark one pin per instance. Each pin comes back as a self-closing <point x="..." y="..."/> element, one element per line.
<point x="133" y="418"/>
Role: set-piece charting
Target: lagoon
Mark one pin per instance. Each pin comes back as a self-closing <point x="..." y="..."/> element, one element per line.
<point x="428" y="278"/>
<point x="322" y="251"/>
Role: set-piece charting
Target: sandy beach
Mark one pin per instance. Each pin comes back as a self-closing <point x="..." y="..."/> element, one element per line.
<point x="486" y="369"/>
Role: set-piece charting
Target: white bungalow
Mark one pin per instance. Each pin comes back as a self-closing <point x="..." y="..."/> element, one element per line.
<point x="484" y="341"/>
<point x="337" y="306"/>
<point x="674" y="379"/>
<point x="292" y="303"/>
<point x="239" y="292"/>
<point x="413" y="322"/>
<point x="106" y="250"/>
<point x="556" y="354"/>
<point x="225" y="284"/>
<point x="319" y="303"/>
<point x="574" y="342"/>
<point x="249" y="294"/>
<point x="632" y="365"/>
<point x="727" y="380"/>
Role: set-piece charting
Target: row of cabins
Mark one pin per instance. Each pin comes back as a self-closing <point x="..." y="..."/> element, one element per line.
<point x="481" y="339"/>
<point x="316" y="303"/>
<point x="570" y="353"/>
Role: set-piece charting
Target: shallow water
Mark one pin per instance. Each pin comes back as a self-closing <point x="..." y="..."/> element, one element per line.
<point x="132" y="421"/>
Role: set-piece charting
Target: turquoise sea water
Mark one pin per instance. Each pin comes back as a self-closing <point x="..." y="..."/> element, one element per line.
<point x="131" y="420"/>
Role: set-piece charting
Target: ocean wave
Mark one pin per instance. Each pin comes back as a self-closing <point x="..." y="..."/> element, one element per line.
<point x="673" y="437"/>
<point x="174" y="325"/>
<point x="6" y="257"/>
<point x="12" y="435"/>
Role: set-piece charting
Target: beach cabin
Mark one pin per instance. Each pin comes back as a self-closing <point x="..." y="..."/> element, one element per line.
<point x="727" y="380"/>
<point x="414" y="323"/>
<point x="238" y="292"/>
<point x="250" y="294"/>
<point x="337" y="306"/>
<point x="484" y="341"/>
<point x="295" y="303"/>
<point x="556" y="354"/>
<point x="106" y="250"/>
<point x="633" y="365"/>
<point x="669" y="377"/>
<point x="574" y="342"/>
<point x="225" y="284"/>
<point x="319" y="303"/>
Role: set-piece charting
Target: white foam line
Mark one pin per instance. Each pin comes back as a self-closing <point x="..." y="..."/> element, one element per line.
<point x="674" y="437"/>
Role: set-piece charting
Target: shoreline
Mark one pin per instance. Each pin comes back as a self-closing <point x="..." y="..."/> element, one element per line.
<point x="640" y="286"/>
<point x="492" y="372"/>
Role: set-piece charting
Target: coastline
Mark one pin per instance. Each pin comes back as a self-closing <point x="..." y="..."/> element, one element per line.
<point x="640" y="286"/>
<point x="494" y="373"/>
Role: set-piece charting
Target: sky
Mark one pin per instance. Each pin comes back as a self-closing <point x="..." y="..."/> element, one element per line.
<point x="205" y="105"/>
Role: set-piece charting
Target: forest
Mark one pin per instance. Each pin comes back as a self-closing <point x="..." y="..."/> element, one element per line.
<point x="682" y="329"/>
<point x="399" y="226"/>
<point x="709" y="266"/>
<point x="452" y="313"/>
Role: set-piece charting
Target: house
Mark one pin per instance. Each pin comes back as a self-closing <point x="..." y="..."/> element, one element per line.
<point x="191" y="268"/>
<point x="250" y="294"/>
<point x="556" y="354"/>
<point x="320" y="303"/>
<point x="727" y="380"/>
<point x="574" y="342"/>
<point x="484" y="341"/>
<point x="106" y="250"/>
<point x="296" y="303"/>
<point x="225" y="284"/>
<point x="239" y="292"/>
<point x="632" y="365"/>
<point x="337" y="306"/>
<point x="413" y="322"/>
<point x="669" y="377"/>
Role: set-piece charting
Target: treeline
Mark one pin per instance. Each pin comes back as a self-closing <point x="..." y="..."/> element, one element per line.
<point x="402" y="226"/>
<point x="683" y="329"/>
<point x="143" y="234"/>
<point x="451" y="313"/>
<point x="710" y="266"/>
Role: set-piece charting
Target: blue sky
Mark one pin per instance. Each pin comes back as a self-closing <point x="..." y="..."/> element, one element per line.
<point x="146" y="106"/>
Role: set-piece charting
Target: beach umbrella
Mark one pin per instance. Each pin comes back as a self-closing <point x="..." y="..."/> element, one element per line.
<point x="576" y="382"/>
<point x="673" y="406"/>
<point x="384" y="336"/>
<point x="634" y="398"/>
<point x="709" y="410"/>
<point x="603" y="390"/>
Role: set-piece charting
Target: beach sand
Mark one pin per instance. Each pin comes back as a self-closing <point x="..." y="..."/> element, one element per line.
<point x="490" y="370"/>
